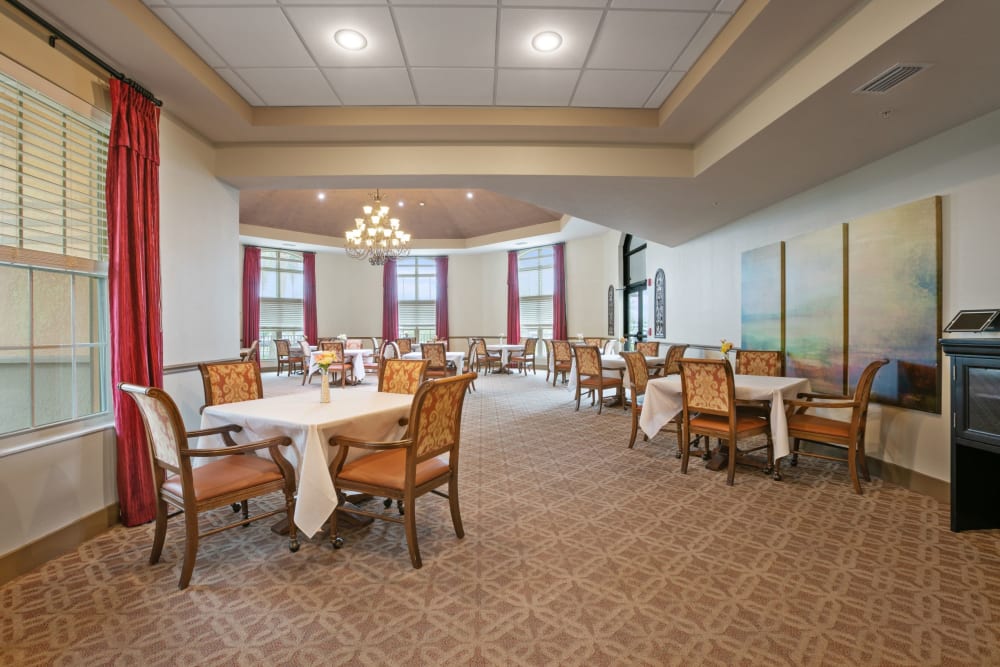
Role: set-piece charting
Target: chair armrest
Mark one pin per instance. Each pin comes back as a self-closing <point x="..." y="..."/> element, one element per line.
<point x="828" y="397"/>
<point x="215" y="430"/>
<point x="804" y="405"/>
<point x="343" y="441"/>
<point x="281" y="440"/>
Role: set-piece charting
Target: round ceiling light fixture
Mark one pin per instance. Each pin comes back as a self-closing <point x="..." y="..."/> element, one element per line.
<point x="547" y="41"/>
<point x="352" y="40"/>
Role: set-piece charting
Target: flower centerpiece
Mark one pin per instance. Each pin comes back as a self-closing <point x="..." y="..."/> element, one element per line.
<point x="725" y="347"/>
<point x="323" y="360"/>
<point x="342" y="337"/>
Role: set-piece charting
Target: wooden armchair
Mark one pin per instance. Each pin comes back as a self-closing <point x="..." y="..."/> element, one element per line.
<point x="485" y="357"/>
<point x="648" y="348"/>
<point x="405" y="345"/>
<point x="671" y="365"/>
<point x="340" y="365"/>
<point x="710" y="410"/>
<point x="436" y="354"/>
<point x="596" y="342"/>
<point x="562" y="360"/>
<point x="230" y="381"/>
<point x="287" y="358"/>
<point x="590" y="376"/>
<point x="231" y="476"/>
<point x="760" y="362"/>
<point x="849" y="435"/>
<point x="638" y="375"/>
<point x="402" y="376"/>
<point x="251" y="352"/>
<point x="423" y="460"/>
<point x="527" y="356"/>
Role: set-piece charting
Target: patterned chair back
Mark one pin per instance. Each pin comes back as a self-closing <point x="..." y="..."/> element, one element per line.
<point x="759" y="362"/>
<point x="165" y="433"/>
<point x="481" y="347"/>
<point x="281" y="347"/>
<point x="304" y="349"/>
<point x="648" y="348"/>
<point x="402" y="376"/>
<point x="436" y="417"/>
<point x="588" y="360"/>
<point x="597" y="342"/>
<point x="707" y="386"/>
<point x="389" y="350"/>
<point x="562" y="350"/>
<point x="337" y="348"/>
<point x="529" y="346"/>
<point x="231" y="381"/>
<point x="434" y="353"/>
<point x="671" y="366"/>
<point x="353" y="344"/>
<point x="405" y="345"/>
<point x="326" y="345"/>
<point x="638" y="372"/>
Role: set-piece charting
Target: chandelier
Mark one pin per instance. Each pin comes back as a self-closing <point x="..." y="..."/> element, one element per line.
<point x="376" y="237"/>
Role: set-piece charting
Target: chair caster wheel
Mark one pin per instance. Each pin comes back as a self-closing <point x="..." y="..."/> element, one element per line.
<point x="387" y="503"/>
<point x="776" y="476"/>
<point x="677" y="455"/>
<point x="338" y="542"/>
<point x="399" y="506"/>
<point x="293" y="547"/>
<point x="236" y="507"/>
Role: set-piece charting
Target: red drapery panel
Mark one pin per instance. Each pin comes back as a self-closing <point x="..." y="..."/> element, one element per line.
<point x="133" y="208"/>
<point x="513" y="300"/>
<point x="390" y="302"/>
<point x="309" y="327"/>
<point x="559" y="292"/>
<point x="251" y="297"/>
<point x="441" y="311"/>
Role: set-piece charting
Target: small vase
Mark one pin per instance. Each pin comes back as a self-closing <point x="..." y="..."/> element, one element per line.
<point x="324" y="387"/>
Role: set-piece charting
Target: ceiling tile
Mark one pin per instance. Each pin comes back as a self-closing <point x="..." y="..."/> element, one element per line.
<point x="678" y="5"/>
<point x="249" y="36"/>
<point x="317" y="25"/>
<point x="666" y="87"/>
<point x="439" y="37"/>
<point x="518" y="26"/>
<point x="457" y="87"/>
<point x="536" y="87"/>
<point x="728" y="5"/>
<point x="702" y="39"/>
<point x="450" y="3"/>
<point x="218" y="3"/>
<point x="290" y="86"/>
<point x="173" y="21"/>
<point x="590" y="4"/>
<point x="292" y="3"/>
<point x="372" y="86"/>
<point x="242" y="89"/>
<point x="643" y="40"/>
<point x="609" y="88"/>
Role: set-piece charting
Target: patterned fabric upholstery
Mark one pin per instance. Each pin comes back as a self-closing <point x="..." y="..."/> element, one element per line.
<point x="758" y="362"/>
<point x="648" y="348"/>
<point x="562" y="350"/>
<point x="706" y="385"/>
<point x="337" y="348"/>
<point x="162" y="434"/>
<point x="231" y="381"/>
<point x="402" y="376"/>
<point x="674" y="354"/>
<point x="434" y="353"/>
<point x="588" y="360"/>
<point x="440" y="418"/>
<point x="353" y="344"/>
<point x="405" y="345"/>
<point x="638" y="372"/>
<point x="597" y="342"/>
<point x="326" y="345"/>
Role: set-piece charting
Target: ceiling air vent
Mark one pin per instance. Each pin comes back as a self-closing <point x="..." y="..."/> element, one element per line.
<point x="890" y="78"/>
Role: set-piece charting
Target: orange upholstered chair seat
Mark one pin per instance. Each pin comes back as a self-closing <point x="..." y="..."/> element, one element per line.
<point x="225" y="476"/>
<point x="388" y="469"/>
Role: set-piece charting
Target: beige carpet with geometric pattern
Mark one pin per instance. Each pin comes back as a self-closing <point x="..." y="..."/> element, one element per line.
<point x="577" y="551"/>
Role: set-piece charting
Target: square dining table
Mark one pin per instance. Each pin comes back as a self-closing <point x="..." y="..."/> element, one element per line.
<point x="457" y="358"/>
<point x="356" y="357"/>
<point x="663" y="400"/>
<point x="505" y="350"/>
<point x="367" y="415"/>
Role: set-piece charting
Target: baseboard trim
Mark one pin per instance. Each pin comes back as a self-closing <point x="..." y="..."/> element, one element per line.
<point x="938" y="489"/>
<point x="44" y="549"/>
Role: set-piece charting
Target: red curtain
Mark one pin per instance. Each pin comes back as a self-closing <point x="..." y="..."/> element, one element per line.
<point x="441" y="313"/>
<point x="133" y="209"/>
<point x="309" y="327"/>
<point x="559" y="328"/>
<point x="251" y="297"/>
<point x="513" y="300"/>
<point x="390" y="302"/>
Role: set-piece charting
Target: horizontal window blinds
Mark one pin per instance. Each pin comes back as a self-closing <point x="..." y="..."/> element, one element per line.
<point x="417" y="314"/>
<point x="536" y="311"/>
<point x="281" y="313"/>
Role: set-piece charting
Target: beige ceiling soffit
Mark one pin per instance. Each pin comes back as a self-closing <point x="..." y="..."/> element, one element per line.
<point x="552" y="227"/>
<point x="450" y="117"/>
<point x="149" y="24"/>
<point x="335" y="241"/>
<point x="254" y="163"/>
<point x="287" y="235"/>
<point x="740" y="21"/>
<point x="851" y="41"/>
<point x="27" y="48"/>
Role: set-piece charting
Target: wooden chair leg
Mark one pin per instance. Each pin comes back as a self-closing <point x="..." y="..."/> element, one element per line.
<point x="190" y="548"/>
<point x="731" y="469"/>
<point x="410" y="522"/>
<point x="293" y="532"/>
<point x="456" y="514"/>
<point x="635" y="427"/>
<point x="852" y="464"/>
<point x="160" y="533"/>
<point x="335" y="539"/>
<point x="685" y="445"/>
<point x="863" y="462"/>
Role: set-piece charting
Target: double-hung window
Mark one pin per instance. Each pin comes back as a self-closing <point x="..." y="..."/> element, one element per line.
<point x="54" y="348"/>
<point x="281" y="309"/>
<point x="416" y="282"/>
<point x="536" y="284"/>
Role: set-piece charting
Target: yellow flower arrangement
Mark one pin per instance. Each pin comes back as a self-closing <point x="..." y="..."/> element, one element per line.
<point x="726" y="346"/>
<point x="324" y="360"/>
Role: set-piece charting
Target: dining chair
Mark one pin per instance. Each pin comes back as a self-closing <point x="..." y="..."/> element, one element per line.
<point x="287" y="359"/>
<point x="610" y="346"/>
<point x="844" y="435"/>
<point x="424" y="459"/>
<point x="405" y="345"/>
<point x="562" y="360"/>
<point x="590" y="376"/>
<point x="485" y="357"/>
<point x="402" y="376"/>
<point x="251" y="352"/>
<point x="340" y="365"/>
<point x="230" y="381"/>
<point x="438" y="358"/>
<point x="596" y="342"/>
<point x="527" y="356"/>
<point x="710" y="410"/>
<point x="671" y="364"/>
<point x="760" y="362"/>
<point x="648" y="348"/>
<point x="230" y="475"/>
<point x="638" y="375"/>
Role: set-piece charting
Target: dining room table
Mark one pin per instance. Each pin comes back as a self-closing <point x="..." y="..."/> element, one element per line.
<point x="366" y="415"/>
<point x="663" y="401"/>
<point x="456" y="358"/>
<point x="505" y="350"/>
<point x="613" y="365"/>
<point x="355" y="356"/>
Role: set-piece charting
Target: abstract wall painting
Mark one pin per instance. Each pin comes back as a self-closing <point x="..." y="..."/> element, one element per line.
<point x="815" y="308"/>
<point x="762" y="298"/>
<point x="894" y="302"/>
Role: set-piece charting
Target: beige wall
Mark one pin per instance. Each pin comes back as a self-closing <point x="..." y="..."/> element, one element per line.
<point x="348" y="296"/>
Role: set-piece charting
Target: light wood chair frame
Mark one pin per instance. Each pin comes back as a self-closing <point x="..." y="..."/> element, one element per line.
<point x="527" y="356"/>
<point x="595" y="383"/>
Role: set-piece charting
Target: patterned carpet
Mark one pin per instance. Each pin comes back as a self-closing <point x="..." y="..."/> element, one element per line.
<point x="577" y="552"/>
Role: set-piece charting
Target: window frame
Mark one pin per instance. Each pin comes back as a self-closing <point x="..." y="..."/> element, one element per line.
<point x="280" y="307"/>
<point x="537" y="262"/>
<point x="412" y="270"/>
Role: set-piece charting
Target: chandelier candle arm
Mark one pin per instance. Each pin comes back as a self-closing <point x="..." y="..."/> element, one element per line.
<point x="376" y="237"/>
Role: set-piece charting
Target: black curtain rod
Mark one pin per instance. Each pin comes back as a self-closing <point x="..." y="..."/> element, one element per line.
<point x="57" y="34"/>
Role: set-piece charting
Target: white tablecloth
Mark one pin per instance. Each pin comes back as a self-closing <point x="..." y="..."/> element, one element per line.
<point x="458" y="358"/>
<point x="357" y="358"/>
<point x="663" y="400"/>
<point x="614" y="366"/>
<point x="367" y="415"/>
<point x="505" y="352"/>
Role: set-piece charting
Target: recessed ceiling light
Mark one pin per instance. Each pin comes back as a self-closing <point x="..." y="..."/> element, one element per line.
<point x="352" y="40"/>
<point x="469" y="195"/>
<point x="400" y="203"/>
<point x="421" y="203"/>
<point x="546" y="41"/>
<point x="321" y="196"/>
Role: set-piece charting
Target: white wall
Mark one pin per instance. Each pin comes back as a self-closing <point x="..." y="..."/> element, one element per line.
<point x="962" y="165"/>
<point x="348" y="296"/>
<point x="591" y="266"/>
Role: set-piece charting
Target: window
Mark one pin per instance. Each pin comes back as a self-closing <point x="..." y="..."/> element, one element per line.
<point x="281" y="310"/>
<point x="535" y="285"/>
<point x="54" y="365"/>
<point x="416" y="281"/>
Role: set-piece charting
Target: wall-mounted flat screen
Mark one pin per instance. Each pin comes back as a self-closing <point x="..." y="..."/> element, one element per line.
<point x="973" y="320"/>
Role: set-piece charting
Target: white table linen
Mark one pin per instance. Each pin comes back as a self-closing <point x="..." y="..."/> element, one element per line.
<point x="367" y="415"/>
<point x="505" y="351"/>
<point x="663" y="401"/>
<point x="614" y="366"/>
<point x="458" y="358"/>
<point x="356" y="357"/>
